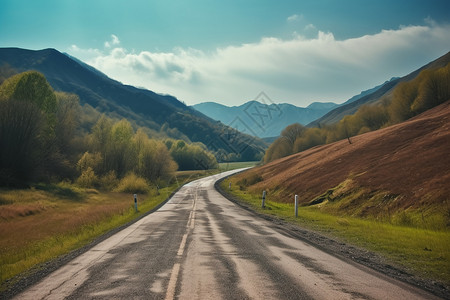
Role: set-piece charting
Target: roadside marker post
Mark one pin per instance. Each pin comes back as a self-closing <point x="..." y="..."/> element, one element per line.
<point x="263" y="200"/>
<point x="229" y="186"/>
<point x="296" y="206"/>
<point x="135" y="202"/>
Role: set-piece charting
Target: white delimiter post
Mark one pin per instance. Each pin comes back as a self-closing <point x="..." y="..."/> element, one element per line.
<point x="263" y="199"/>
<point x="296" y="206"/>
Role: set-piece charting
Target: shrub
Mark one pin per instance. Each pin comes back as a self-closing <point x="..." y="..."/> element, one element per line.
<point x="87" y="179"/>
<point x="109" y="181"/>
<point x="132" y="184"/>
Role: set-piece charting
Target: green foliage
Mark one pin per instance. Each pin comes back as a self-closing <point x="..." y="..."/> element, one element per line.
<point x="67" y="112"/>
<point x="30" y="86"/>
<point x="33" y="87"/>
<point x="21" y="155"/>
<point x="90" y="160"/>
<point x="434" y="89"/>
<point x="227" y="143"/>
<point x="87" y="179"/>
<point x="311" y="137"/>
<point x="280" y="148"/>
<point x="249" y="180"/>
<point x="192" y="156"/>
<point x="429" y="89"/>
<point x="131" y="183"/>
<point x="108" y="181"/>
<point x="46" y="135"/>
<point x="154" y="160"/>
<point x="37" y="128"/>
<point x="122" y="151"/>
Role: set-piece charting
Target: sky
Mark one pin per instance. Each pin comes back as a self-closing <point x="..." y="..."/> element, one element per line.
<point x="229" y="52"/>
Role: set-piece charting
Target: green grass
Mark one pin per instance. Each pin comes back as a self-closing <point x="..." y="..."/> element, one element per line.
<point x="424" y="252"/>
<point x="237" y="165"/>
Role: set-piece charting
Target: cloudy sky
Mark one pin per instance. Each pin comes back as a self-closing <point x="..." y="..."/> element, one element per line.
<point x="229" y="51"/>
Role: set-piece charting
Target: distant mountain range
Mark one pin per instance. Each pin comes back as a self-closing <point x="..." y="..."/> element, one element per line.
<point x="141" y="106"/>
<point x="266" y="119"/>
<point x="263" y="119"/>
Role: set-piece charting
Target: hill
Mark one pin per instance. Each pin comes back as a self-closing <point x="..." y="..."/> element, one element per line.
<point x="350" y="107"/>
<point x="402" y="169"/>
<point x="144" y="107"/>
<point x="264" y="120"/>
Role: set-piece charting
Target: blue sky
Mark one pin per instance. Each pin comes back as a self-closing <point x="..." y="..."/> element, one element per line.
<point x="229" y="51"/>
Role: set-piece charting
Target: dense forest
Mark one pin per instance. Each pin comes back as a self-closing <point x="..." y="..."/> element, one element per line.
<point x="429" y="89"/>
<point x="48" y="136"/>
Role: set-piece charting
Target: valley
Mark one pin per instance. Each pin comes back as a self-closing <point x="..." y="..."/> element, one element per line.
<point x="377" y="179"/>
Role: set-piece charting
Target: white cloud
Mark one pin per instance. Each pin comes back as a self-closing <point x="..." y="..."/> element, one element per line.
<point x="293" y="18"/>
<point x="310" y="27"/>
<point x="115" y="39"/>
<point x="113" y="42"/>
<point x="299" y="70"/>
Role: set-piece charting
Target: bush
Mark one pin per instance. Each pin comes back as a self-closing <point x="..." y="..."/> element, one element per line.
<point x="109" y="181"/>
<point x="132" y="184"/>
<point x="87" y="179"/>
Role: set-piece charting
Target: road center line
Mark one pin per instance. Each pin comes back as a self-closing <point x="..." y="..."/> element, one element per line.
<point x="170" y="294"/>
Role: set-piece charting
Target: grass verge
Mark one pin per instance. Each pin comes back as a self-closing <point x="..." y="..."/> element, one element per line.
<point x="47" y="221"/>
<point x="423" y="252"/>
<point x="236" y="165"/>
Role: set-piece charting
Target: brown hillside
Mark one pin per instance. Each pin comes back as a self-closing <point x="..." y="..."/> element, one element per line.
<point x="409" y="163"/>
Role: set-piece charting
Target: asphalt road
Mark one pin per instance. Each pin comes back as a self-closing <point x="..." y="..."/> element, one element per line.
<point x="202" y="246"/>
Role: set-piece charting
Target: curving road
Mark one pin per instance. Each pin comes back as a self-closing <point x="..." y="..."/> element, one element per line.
<point x="202" y="246"/>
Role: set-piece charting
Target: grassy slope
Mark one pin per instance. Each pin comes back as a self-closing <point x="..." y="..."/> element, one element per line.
<point x="422" y="251"/>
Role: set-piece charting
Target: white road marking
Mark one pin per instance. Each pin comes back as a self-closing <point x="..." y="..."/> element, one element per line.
<point x="170" y="294"/>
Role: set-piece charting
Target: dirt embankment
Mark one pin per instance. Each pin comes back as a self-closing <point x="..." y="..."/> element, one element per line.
<point x="408" y="163"/>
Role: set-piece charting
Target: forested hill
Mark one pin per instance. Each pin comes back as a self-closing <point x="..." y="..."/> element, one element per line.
<point x="144" y="107"/>
<point x="386" y="90"/>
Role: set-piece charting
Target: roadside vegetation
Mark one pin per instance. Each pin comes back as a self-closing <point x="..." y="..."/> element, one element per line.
<point x="46" y="221"/>
<point x="46" y="136"/>
<point x="68" y="173"/>
<point x="421" y="247"/>
<point x="429" y="89"/>
<point x="237" y="165"/>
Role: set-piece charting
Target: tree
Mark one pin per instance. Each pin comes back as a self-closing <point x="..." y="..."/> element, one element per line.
<point x="21" y="145"/>
<point x="400" y="108"/>
<point x="101" y="134"/>
<point x="434" y="89"/>
<point x="192" y="156"/>
<point x="280" y="148"/>
<point x="32" y="86"/>
<point x="28" y="127"/>
<point x="119" y="156"/>
<point x="310" y="138"/>
<point x="291" y="132"/>
<point x="68" y="108"/>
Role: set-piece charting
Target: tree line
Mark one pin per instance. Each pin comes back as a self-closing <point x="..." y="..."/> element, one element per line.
<point x="429" y="89"/>
<point x="42" y="140"/>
